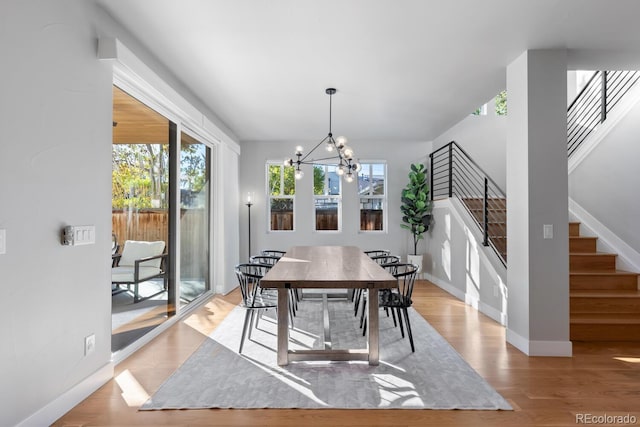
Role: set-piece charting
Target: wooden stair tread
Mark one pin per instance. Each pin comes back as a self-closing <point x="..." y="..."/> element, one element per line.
<point x="593" y="254"/>
<point x="606" y="318"/>
<point x="602" y="273"/>
<point x="605" y="293"/>
<point x="583" y="237"/>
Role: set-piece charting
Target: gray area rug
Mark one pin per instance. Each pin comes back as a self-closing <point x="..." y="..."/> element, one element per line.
<point x="216" y="376"/>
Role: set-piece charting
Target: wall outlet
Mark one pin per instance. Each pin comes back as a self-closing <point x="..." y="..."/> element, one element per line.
<point x="3" y="242"/>
<point x="89" y="344"/>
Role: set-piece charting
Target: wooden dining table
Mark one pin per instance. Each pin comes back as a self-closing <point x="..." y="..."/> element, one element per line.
<point x="327" y="267"/>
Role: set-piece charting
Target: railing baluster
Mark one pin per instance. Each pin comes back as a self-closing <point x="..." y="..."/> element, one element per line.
<point x="603" y="97"/>
<point x="485" y="213"/>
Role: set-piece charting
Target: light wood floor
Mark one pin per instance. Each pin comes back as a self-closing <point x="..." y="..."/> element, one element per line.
<point x="599" y="379"/>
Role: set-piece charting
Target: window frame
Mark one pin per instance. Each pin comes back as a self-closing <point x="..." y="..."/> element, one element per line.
<point x="326" y="196"/>
<point x="269" y="196"/>
<point x="383" y="197"/>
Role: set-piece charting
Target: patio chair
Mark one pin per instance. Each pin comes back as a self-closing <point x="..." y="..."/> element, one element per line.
<point x="139" y="262"/>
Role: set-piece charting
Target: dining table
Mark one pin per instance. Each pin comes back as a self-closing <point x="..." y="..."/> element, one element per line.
<point x="327" y="268"/>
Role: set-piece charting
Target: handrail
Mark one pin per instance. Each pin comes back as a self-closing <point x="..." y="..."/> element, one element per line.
<point x="595" y="101"/>
<point x="455" y="174"/>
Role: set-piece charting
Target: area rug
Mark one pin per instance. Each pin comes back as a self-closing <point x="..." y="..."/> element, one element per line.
<point x="216" y="376"/>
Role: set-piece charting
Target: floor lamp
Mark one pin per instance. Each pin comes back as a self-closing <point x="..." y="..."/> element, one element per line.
<point x="249" y="204"/>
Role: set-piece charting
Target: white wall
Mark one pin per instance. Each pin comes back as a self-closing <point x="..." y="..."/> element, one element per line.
<point x="55" y="170"/>
<point x="605" y="183"/>
<point x="485" y="139"/>
<point x="399" y="157"/>
<point x="457" y="262"/>
<point x="55" y="167"/>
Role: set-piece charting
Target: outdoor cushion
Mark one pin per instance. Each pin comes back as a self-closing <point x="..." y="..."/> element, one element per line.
<point x="125" y="274"/>
<point x="137" y="249"/>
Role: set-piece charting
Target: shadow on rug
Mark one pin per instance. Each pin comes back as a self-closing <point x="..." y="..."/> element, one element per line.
<point x="216" y="376"/>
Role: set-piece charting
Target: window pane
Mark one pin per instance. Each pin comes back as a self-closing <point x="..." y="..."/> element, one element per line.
<point x="377" y="179"/>
<point x="333" y="181"/>
<point x="371" y="214"/>
<point x="195" y="163"/>
<point x="364" y="184"/>
<point x="326" y="213"/>
<point x="274" y="180"/>
<point x="289" y="181"/>
<point x="318" y="180"/>
<point x="281" y="214"/>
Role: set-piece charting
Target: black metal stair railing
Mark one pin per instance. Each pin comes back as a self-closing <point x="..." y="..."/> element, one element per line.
<point x="455" y="174"/>
<point x="591" y="106"/>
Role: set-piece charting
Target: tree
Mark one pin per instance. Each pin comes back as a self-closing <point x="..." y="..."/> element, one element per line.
<point x="139" y="175"/>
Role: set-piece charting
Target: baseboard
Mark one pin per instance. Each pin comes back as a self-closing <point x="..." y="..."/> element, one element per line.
<point x="474" y="302"/>
<point x="540" y="348"/>
<point x="627" y="259"/>
<point x="67" y="401"/>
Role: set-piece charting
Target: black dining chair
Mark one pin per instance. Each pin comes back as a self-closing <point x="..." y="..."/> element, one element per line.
<point x="273" y="252"/>
<point x="255" y="300"/>
<point x="399" y="298"/>
<point x="381" y="260"/>
<point x="270" y="261"/>
<point x="377" y="252"/>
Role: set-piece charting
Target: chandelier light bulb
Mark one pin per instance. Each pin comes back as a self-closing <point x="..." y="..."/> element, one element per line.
<point x="341" y="157"/>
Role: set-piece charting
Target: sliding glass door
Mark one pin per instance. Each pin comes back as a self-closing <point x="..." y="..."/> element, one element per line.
<point x="141" y="293"/>
<point x="195" y="208"/>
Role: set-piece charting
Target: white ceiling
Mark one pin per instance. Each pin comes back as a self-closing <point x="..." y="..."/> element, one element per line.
<point x="405" y="70"/>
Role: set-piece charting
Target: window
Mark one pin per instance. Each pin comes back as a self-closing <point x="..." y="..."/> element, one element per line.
<point x="501" y="103"/>
<point x="327" y="198"/>
<point x="281" y="191"/>
<point x="372" y="183"/>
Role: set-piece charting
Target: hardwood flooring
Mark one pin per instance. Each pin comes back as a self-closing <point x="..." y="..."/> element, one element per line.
<point x="601" y="378"/>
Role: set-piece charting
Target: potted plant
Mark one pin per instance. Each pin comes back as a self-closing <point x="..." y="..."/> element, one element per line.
<point x="416" y="209"/>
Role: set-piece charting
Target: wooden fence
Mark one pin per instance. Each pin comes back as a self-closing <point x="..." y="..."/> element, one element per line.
<point x="153" y="225"/>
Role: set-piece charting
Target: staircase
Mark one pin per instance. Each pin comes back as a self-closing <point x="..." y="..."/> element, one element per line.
<point x="496" y="220"/>
<point x="604" y="302"/>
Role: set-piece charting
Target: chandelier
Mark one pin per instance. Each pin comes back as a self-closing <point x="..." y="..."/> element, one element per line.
<point x="345" y="164"/>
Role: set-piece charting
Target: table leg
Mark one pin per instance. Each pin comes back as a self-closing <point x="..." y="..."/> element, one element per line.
<point x="374" y="328"/>
<point x="283" y="326"/>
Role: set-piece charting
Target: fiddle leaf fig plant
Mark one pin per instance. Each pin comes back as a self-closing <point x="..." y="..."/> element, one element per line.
<point x="416" y="206"/>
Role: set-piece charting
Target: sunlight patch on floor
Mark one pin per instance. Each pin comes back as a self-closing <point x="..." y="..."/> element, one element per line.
<point x="132" y="391"/>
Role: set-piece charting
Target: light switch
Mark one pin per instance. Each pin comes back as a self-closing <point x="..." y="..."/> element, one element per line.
<point x="3" y="242"/>
<point x="75" y="235"/>
<point x="547" y="231"/>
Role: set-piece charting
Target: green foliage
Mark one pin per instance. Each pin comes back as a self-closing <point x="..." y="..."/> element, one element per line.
<point x="416" y="206"/>
<point x="318" y="180"/>
<point x="139" y="175"/>
<point x="275" y="174"/>
<point x="501" y="103"/>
